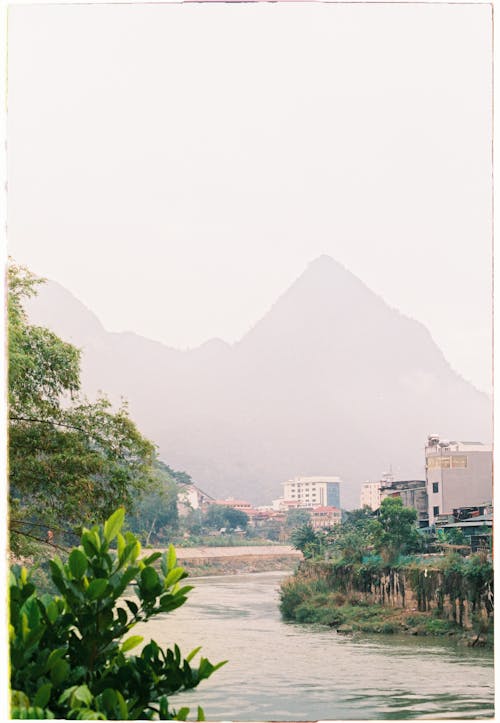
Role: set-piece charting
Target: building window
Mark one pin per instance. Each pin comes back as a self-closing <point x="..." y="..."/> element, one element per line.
<point x="435" y="511"/>
<point x="435" y="487"/>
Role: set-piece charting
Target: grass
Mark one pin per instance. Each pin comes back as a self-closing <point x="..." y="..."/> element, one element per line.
<point x="311" y="602"/>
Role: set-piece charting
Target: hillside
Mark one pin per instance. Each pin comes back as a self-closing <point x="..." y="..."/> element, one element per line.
<point x="331" y="381"/>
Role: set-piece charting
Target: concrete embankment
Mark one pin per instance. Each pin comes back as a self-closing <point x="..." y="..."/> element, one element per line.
<point x="240" y="559"/>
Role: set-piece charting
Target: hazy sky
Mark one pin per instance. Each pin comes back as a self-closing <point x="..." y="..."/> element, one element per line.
<point x="177" y="166"/>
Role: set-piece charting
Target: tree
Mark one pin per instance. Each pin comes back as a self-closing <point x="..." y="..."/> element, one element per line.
<point x="354" y="537"/>
<point x="155" y="513"/>
<point x="305" y="539"/>
<point x="68" y="655"/>
<point x="296" y="518"/>
<point x="359" y="515"/>
<point x="70" y="460"/>
<point x="219" y="516"/>
<point x="395" y="532"/>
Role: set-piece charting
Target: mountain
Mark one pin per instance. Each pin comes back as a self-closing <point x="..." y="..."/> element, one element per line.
<point x="331" y="381"/>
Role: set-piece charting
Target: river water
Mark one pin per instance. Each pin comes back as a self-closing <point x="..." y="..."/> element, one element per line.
<point x="285" y="671"/>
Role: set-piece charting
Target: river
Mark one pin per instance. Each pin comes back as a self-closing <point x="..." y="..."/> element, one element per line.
<point x="285" y="671"/>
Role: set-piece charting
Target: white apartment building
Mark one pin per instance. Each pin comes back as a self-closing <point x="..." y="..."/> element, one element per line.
<point x="371" y="494"/>
<point x="313" y="491"/>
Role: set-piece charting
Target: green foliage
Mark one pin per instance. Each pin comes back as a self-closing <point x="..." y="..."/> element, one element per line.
<point x="41" y="366"/>
<point x="305" y="539"/>
<point x="70" y="461"/>
<point x="395" y="533"/>
<point x="454" y="536"/>
<point x="219" y="516"/>
<point x="297" y="518"/>
<point x="154" y="515"/>
<point x="360" y="515"/>
<point x="354" y="538"/>
<point x="69" y="653"/>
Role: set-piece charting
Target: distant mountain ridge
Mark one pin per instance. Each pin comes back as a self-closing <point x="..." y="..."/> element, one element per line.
<point x="330" y="381"/>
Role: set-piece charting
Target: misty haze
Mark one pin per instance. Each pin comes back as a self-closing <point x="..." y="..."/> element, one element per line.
<point x="249" y="307"/>
<point x="330" y="381"/>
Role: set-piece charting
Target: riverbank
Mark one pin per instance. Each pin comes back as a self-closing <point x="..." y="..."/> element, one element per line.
<point x="238" y="565"/>
<point x="202" y="561"/>
<point x="446" y="598"/>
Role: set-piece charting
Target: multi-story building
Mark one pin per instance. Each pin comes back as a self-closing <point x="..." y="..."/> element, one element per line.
<point x="313" y="491"/>
<point x="413" y="493"/>
<point x="327" y="516"/>
<point x="370" y="495"/>
<point x="190" y="497"/>
<point x="242" y="505"/>
<point x="458" y="474"/>
<point x="371" y="492"/>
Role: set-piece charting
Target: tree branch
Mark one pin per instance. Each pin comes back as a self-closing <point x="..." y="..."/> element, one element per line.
<point x="39" y="539"/>
<point x="51" y="422"/>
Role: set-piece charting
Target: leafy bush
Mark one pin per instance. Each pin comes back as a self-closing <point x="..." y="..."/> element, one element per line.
<point x="68" y="655"/>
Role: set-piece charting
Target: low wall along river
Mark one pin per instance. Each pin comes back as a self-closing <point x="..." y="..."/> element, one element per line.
<point x="241" y="559"/>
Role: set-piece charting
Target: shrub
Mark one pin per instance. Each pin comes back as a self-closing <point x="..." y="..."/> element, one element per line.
<point x="68" y="655"/>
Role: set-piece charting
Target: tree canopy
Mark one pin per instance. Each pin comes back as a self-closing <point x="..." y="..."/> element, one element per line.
<point x="71" y="460"/>
<point x="395" y="532"/>
<point x="219" y="516"/>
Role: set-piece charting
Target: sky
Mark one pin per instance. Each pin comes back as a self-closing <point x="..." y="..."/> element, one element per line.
<point x="177" y="167"/>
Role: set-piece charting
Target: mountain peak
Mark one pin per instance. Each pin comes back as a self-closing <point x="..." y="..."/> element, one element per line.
<point x="324" y="261"/>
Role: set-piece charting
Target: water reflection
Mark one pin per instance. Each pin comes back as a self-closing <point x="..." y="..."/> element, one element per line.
<point x="280" y="671"/>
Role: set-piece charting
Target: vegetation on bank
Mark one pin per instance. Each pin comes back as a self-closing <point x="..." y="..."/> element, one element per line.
<point x="374" y="574"/>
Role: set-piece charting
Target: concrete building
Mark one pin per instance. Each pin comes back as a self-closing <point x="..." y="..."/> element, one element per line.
<point x="370" y="495"/>
<point x="370" y="492"/>
<point x="190" y="497"/>
<point x="413" y="493"/>
<point x="242" y="505"/>
<point x="458" y="474"/>
<point x="313" y="491"/>
<point x="322" y="517"/>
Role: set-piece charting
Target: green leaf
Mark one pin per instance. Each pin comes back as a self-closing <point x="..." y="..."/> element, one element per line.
<point x="97" y="588"/>
<point x="201" y="714"/>
<point x="131" y="642"/>
<point x="149" y="578"/>
<point x="182" y="714"/>
<point x="122" y="705"/>
<point x="83" y="694"/>
<point x="174" y="576"/>
<point x="109" y="699"/>
<point x="54" y="656"/>
<point x="113" y="525"/>
<point x="66" y="694"/>
<point x="77" y="563"/>
<point x="171" y="558"/>
<point x="120" y="544"/>
<point x="19" y="699"/>
<point x="192" y="654"/>
<point x="59" y="672"/>
<point x="42" y="696"/>
<point x="152" y="558"/>
<point x="52" y="612"/>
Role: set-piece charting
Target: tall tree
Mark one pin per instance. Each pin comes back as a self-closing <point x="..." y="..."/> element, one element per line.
<point x="395" y="532"/>
<point x="71" y="461"/>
